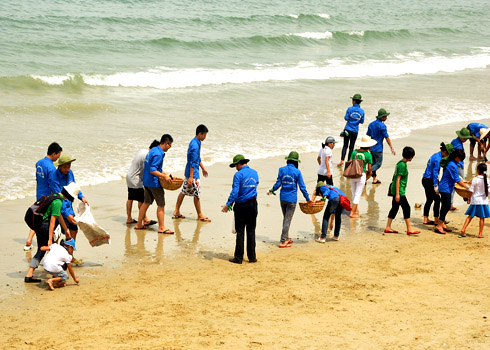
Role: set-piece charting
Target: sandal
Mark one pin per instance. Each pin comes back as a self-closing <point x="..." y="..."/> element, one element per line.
<point x="436" y="230"/>
<point x="413" y="232"/>
<point x="167" y="232"/>
<point x="447" y="229"/>
<point x="377" y="182"/>
<point x="429" y="223"/>
<point x="390" y="231"/>
<point x="286" y="244"/>
<point x="462" y="235"/>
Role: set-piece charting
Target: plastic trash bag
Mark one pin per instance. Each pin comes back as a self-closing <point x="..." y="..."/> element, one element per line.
<point x="95" y="234"/>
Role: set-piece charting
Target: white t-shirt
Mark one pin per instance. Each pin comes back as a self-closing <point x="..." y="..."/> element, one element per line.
<point x="57" y="256"/>
<point x="325" y="152"/>
<point x="134" y="178"/>
<point x="477" y="188"/>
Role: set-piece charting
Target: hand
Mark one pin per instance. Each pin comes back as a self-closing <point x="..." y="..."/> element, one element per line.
<point x="393" y="151"/>
<point x="190" y="181"/>
<point x="85" y="201"/>
<point x="167" y="178"/>
<point x="310" y="202"/>
<point x="71" y="219"/>
<point x="436" y="189"/>
<point x="225" y="209"/>
<point x="397" y="198"/>
<point x="329" y="175"/>
<point x="50" y="242"/>
<point x="77" y="280"/>
<point x="205" y="172"/>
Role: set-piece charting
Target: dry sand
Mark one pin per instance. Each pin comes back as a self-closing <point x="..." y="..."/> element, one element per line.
<point x="367" y="291"/>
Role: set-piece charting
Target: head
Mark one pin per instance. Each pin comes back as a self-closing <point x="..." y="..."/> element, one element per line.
<point x="239" y="161"/>
<point x="446" y="149"/>
<point x="154" y="144"/>
<point x="201" y="132"/>
<point x="319" y="184"/>
<point x="382" y="114"/>
<point x="356" y="99"/>
<point x="166" y="142"/>
<point x="69" y="245"/>
<point x="64" y="163"/>
<point x="463" y="134"/>
<point x="329" y="142"/>
<point x="408" y="153"/>
<point x="457" y="155"/>
<point x="54" y="151"/>
<point x="295" y="163"/>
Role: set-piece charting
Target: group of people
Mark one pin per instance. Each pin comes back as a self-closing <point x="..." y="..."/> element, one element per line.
<point x="55" y="180"/>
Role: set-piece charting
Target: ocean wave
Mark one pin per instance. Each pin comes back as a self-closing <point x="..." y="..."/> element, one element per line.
<point x="313" y="35"/>
<point x="168" y="78"/>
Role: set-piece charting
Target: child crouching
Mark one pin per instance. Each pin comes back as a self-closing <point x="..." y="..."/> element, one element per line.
<point x="60" y="254"/>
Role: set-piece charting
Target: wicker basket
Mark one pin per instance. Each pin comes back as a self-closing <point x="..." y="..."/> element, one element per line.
<point x="175" y="185"/>
<point x="311" y="209"/>
<point x="463" y="192"/>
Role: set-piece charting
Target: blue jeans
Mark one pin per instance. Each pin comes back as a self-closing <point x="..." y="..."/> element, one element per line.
<point x="377" y="161"/>
<point x="333" y="205"/>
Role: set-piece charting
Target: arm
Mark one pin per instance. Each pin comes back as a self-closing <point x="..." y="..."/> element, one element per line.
<point x="162" y="175"/>
<point x="368" y="171"/>
<point x="63" y="225"/>
<point x="327" y="164"/>
<point x="388" y="141"/>
<point x="72" y="273"/>
<point x="204" y="171"/>
<point x="347" y="114"/>
<point x="319" y="160"/>
<point x="45" y="248"/>
<point x="303" y="189"/>
<point x="234" y="190"/>
<point x="397" y="196"/>
<point x="194" y="161"/>
<point x="436" y="167"/>
<point x="277" y="184"/>
<point x="52" y="223"/>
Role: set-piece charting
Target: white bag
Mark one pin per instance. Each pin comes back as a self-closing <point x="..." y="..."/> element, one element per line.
<point x="95" y="234"/>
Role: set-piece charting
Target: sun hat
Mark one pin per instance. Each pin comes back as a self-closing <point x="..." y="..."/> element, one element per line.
<point x="382" y="113"/>
<point x="449" y="147"/>
<point x="71" y="243"/>
<point x="357" y="97"/>
<point x="464" y="133"/>
<point x="366" y="142"/>
<point x="320" y="184"/>
<point x="238" y="158"/>
<point x="71" y="191"/>
<point x="293" y="156"/>
<point x="330" y="139"/>
<point x="484" y="132"/>
<point x="64" y="159"/>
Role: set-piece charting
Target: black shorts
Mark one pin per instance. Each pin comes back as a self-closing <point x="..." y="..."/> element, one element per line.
<point x="136" y="194"/>
<point x="473" y="141"/>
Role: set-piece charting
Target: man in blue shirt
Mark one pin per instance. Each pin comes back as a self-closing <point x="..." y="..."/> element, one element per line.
<point x="152" y="173"/>
<point x="378" y="131"/>
<point x="353" y="116"/>
<point x="475" y="131"/>
<point x="463" y="135"/>
<point x="44" y="170"/>
<point x="244" y="196"/>
<point x="192" y="185"/>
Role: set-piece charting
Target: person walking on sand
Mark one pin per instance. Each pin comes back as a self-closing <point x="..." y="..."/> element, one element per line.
<point x="59" y="255"/>
<point x="44" y="171"/>
<point x="430" y="182"/>
<point x="331" y="193"/>
<point x="450" y="177"/>
<point x="288" y="179"/>
<point x="378" y="131"/>
<point x="353" y="116"/>
<point x="479" y="133"/>
<point x="64" y="176"/>
<point x="325" y="161"/>
<point x="358" y="183"/>
<point x="134" y="180"/>
<point x="398" y="191"/>
<point x="152" y="173"/>
<point x="244" y="197"/>
<point x="478" y="201"/>
<point x="192" y="184"/>
<point x="463" y="135"/>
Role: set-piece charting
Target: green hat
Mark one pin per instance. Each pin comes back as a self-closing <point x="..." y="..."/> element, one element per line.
<point x="464" y="133"/>
<point x="238" y="158"/>
<point x="64" y="159"/>
<point x="382" y="113"/>
<point x="449" y="148"/>
<point x="320" y="184"/>
<point x="293" y="156"/>
<point x="357" y="97"/>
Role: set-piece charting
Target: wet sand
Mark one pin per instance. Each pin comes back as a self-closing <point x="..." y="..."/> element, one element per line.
<point x="369" y="290"/>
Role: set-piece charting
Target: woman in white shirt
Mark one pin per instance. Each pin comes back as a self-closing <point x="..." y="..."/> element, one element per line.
<point x="325" y="161"/>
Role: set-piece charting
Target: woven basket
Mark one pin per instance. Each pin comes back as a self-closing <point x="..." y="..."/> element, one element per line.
<point x="463" y="192"/>
<point x="311" y="209"/>
<point x="175" y="185"/>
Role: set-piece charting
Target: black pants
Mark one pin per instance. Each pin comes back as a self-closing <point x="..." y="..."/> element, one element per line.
<point x="431" y="196"/>
<point x="328" y="180"/>
<point x="395" y="206"/>
<point x="245" y="217"/>
<point x="349" y="139"/>
<point x="445" y="206"/>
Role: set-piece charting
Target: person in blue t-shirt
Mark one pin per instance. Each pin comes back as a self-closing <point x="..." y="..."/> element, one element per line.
<point x="288" y="179"/>
<point x="353" y="116"/>
<point x="378" y="131"/>
<point x="331" y="193"/>
<point x="449" y="178"/>
<point x="476" y="130"/>
<point x="244" y="197"/>
<point x="463" y="135"/>
<point x="152" y="173"/>
<point x="192" y="184"/>
<point x="44" y="170"/>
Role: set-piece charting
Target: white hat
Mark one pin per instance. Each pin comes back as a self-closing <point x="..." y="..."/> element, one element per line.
<point x="366" y="142"/>
<point x="71" y="190"/>
<point x="484" y="132"/>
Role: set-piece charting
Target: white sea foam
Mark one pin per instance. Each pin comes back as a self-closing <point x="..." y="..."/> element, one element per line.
<point x="356" y="32"/>
<point x="324" y="15"/>
<point x="294" y="16"/>
<point x="315" y="35"/>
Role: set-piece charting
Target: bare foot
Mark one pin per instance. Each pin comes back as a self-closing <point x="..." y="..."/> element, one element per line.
<point x="472" y="158"/>
<point x="354" y="216"/>
<point x="204" y="219"/>
<point x="50" y="284"/>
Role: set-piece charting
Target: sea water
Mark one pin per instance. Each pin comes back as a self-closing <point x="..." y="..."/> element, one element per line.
<point x="104" y="78"/>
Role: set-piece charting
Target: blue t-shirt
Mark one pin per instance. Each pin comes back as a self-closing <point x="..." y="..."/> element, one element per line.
<point x="354" y="116"/>
<point x="378" y="131"/>
<point x="449" y="177"/>
<point x="153" y="162"/>
<point x="244" y="188"/>
<point x="289" y="178"/>
<point x="457" y="144"/>
<point x="433" y="168"/>
<point x="474" y="128"/>
<point x="327" y="191"/>
<point x="58" y="181"/>
<point x="44" y="170"/>
<point x="193" y="158"/>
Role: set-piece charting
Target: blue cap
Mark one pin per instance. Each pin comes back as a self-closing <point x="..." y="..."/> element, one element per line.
<point x="71" y="242"/>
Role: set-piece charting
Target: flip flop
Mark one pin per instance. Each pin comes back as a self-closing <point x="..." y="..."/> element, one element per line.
<point x="390" y="231"/>
<point x="206" y="219"/>
<point x="152" y="222"/>
<point x="462" y="236"/>
<point x="413" y="232"/>
<point x="377" y="182"/>
<point x="429" y="223"/>
<point x="482" y="236"/>
<point x="132" y="222"/>
<point x="167" y="232"/>
<point x="447" y="229"/>
<point x="290" y="241"/>
<point x="178" y="217"/>
<point x="141" y="228"/>
<point x="286" y="244"/>
<point x="436" y="230"/>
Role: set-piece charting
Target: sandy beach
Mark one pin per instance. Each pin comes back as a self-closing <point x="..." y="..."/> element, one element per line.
<point x="150" y="291"/>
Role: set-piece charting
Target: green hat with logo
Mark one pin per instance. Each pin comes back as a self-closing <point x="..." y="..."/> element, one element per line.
<point x="357" y="97"/>
<point x="293" y="156"/>
<point x="320" y="184"/>
<point x="464" y="133"/>
<point x="382" y="113"/>
<point x="449" y="148"/>
<point x="64" y="159"/>
<point x="237" y="159"/>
